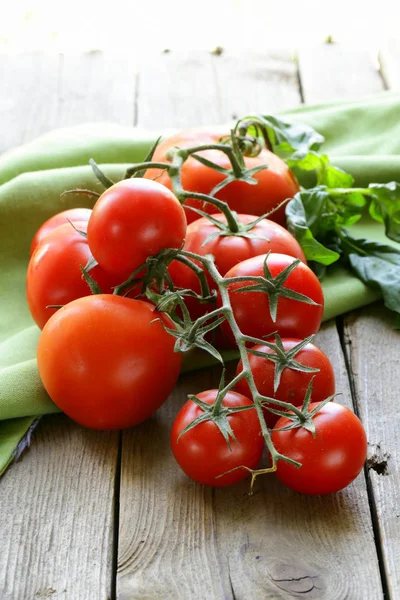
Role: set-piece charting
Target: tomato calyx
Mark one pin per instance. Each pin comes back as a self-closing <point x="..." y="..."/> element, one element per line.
<point x="190" y="334"/>
<point x="284" y="359"/>
<point x="217" y="413"/>
<point x="93" y="285"/>
<point x="273" y="286"/>
<point x="102" y="177"/>
<point x="304" y="417"/>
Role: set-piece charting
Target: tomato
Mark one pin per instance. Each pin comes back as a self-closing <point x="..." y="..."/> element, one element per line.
<point x="228" y="250"/>
<point x="98" y="357"/>
<point x="252" y="310"/>
<point x="73" y="214"/>
<point x="331" y="460"/>
<point x="54" y="276"/>
<point x="293" y="384"/>
<point x="275" y="183"/>
<point x="203" y="454"/>
<point x="132" y="220"/>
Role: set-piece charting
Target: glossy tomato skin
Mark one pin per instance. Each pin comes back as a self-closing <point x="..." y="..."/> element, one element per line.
<point x="293" y="384"/>
<point x="54" y="276"/>
<point x="107" y="362"/>
<point x="203" y="454"/>
<point x="132" y="220"/>
<point x="251" y="309"/>
<point x="331" y="460"/>
<point x="228" y="251"/>
<point x="275" y="184"/>
<point x="73" y="215"/>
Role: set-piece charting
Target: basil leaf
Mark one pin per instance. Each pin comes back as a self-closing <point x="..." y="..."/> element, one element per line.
<point x="327" y="174"/>
<point x="302" y="213"/>
<point x="385" y="207"/>
<point x="377" y="265"/>
<point x="288" y="137"/>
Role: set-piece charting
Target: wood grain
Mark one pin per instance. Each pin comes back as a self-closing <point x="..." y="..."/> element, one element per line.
<point x="96" y="86"/>
<point x="251" y="83"/>
<point x="28" y="104"/>
<point x="372" y="347"/>
<point x="56" y="517"/>
<point x="363" y="330"/>
<point x="332" y="72"/>
<point x="176" y="91"/>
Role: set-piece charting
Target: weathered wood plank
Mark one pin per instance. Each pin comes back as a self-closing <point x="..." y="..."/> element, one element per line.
<point x="372" y="347"/>
<point x="181" y="540"/>
<point x="96" y="86"/>
<point x="167" y="531"/>
<point x="255" y="82"/>
<point x="332" y="72"/>
<point x="28" y="105"/>
<point x="389" y="61"/>
<point x="362" y="327"/>
<point x="56" y="517"/>
<point x="177" y="91"/>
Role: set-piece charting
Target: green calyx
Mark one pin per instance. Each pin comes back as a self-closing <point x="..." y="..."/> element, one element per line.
<point x="216" y="412"/>
<point x="191" y="334"/>
<point x="273" y="286"/>
<point x="284" y="359"/>
<point x="303" y="418"/>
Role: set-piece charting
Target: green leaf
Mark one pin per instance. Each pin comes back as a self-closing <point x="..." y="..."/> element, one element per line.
<point x="288" y="137"/>
<point x="299" y="222"/>
<point x="377" y="265"/>
<point x="337" y="178"/>
<point x="385" y="207"/>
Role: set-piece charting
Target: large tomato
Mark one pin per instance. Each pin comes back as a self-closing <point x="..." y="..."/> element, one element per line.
<point x="202" y="452"/>
<point x="275" y="183"/>
<point x="54" y="276"/>
<point x="331" y="460"/>
<point x="228" y="250"/>
<point x="98" y="357"/>
<point x="293" y="384"/>
<point x="132" y="220"/>
<point x="73" y="214"/>
<point x="252" y="309"/>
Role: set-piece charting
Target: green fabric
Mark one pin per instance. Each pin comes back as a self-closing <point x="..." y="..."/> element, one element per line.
<point x="362" y="137"/>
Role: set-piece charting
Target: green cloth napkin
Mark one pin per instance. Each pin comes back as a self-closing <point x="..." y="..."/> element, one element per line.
<point x="362" y="137"/>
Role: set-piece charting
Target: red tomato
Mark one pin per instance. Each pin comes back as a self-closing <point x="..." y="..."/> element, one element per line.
<point x="73" y="214"/>
<point x="251" y="309"/>
<point x="98" y="357"/>
<point x="54" y="276"/>
<point x="229" y="250"/>
<point x="293" y="384"/>
<point x="331" y="460"/>
<point x="132" y="220"/>
<point x="203" y="454"/>
<point x="275" y="183"/>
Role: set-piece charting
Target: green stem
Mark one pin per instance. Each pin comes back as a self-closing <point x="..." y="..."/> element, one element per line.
<point x="228" y="150"/>
<point x="208" y="263"/>
<point x="336" y="192"/>
<point x="146" y="165"/>
<point x="205" y="289"/>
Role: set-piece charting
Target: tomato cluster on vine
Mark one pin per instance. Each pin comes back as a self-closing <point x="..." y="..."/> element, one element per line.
<point x="122" y="290"/>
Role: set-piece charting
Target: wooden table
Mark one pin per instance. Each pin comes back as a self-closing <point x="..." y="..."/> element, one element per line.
<point x="88" y="515"/>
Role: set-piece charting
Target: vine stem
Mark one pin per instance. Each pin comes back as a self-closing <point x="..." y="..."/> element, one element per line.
<point x="226" y="309"/>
